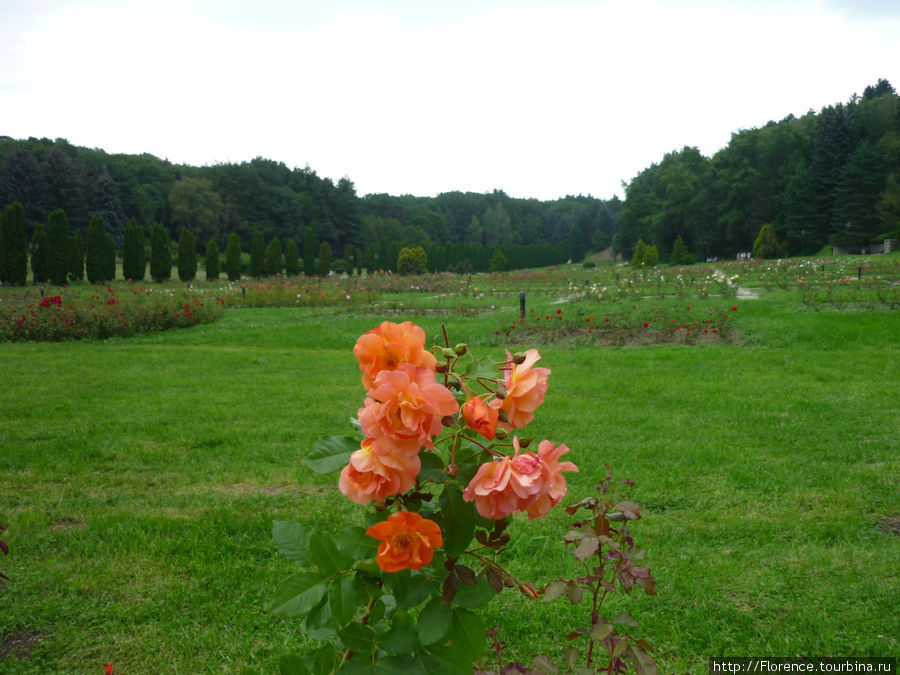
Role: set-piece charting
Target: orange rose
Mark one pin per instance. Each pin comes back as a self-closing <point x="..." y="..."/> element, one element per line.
<point x="491" y="490"/>
<point x="406" y="405"/>
<point x="480" y="417"/>
<point x="553" y="484"/>
<point x="377" y="471"/>
<point x="407" y="541"/>
<point x="388" y="346"/>
<point x="525" y="389"/>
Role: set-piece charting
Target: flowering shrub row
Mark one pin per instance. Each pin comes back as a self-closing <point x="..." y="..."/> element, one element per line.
<point x="441" y="461"/>
<point x="102" y="312"/>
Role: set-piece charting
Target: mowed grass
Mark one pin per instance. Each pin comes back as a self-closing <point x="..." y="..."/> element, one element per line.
<point x="140" y="479"/>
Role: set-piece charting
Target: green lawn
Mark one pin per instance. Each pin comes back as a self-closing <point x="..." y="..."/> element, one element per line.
<point x="141" y="476"/>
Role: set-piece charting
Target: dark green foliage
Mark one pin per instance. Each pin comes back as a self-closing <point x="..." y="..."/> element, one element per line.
<point x="76" y="257"/>
<point x="309" y="252"/>
<point x="233" y="257"/>
<point x="767" y="244"/>
<point x="860" y="186"/>
<point x="498" y="261"/>
<point x="187" y="255"/>
<point x="40" y="272"/>
<point x="291" y="258"/>
<point x="134" y="263"/>
<point x="680" y="254"/>
<point x="639" y="251"/>
<point x="108" y="257"/>
<point x="160" y="253"/>
<point x="274" y="263"/>
<point x="58" y="247"/>
<point x="212" y="260"/>
<point x="257" y="255"/>
<point x="411" y="260"/>
<point x="324" y="259"/>
<point x="651" y="255"/>
<point x="13" y="245"/>
<point x="93" y="253"/>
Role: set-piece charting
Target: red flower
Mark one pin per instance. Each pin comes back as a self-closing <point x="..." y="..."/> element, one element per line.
<point x="559" y="311"/>
<point x="646" y="325"/>
<point x="734" y="308"/>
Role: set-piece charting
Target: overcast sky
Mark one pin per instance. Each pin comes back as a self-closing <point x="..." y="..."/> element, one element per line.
<point x="539" y="98"/>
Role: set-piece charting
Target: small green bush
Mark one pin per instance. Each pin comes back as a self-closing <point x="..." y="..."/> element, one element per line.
<point x="411" y="260"/>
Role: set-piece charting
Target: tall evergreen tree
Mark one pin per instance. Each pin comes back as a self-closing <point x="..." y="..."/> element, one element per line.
<point x="309" y="252"/>
<point x="212" y="260"/>
<point x="257" y="254"/>
<point x="108" y="257"/>
<point x="187" y="256"/>
<point x="95" y="247"/>
<point x="160" y="253"/>
<point x="324" y="259"/>
<point x="15" y="245"/>
<point x="76" y="257"/>
<point x="859" y="188"/>
<point x="57" y="247"/>
<point x="233" y="257"/>
<point x="274" y="263"/>
<point x="291" y="258"/>
<point x="40" y="272"/>
<point x="134" y="256"/>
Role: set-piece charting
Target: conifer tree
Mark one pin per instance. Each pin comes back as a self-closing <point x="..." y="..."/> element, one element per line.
<point x="273" y="257"/>
<point x="324" y="259"/>
<point x="257" y="255"/>
<point x="212" y="260"/>
<point x="108" y="257"/>
<point x="57" y="247"/>
<point x="766" y="244"/>
<point x="187" y="255"/>
<point x="680" y="253"/>
<point x="291" y="258"/>
<point x="233" y="257"/>
<point x="39" y="272"/>
<point x="94" y="250"/>
<point x="134" y="263"/>
<point x="76" y="257"/>
<point x="160" y="254"/>
<point x="14" y="250"/>
<point x="309" y="252"/>
<point x="638" y="258"/>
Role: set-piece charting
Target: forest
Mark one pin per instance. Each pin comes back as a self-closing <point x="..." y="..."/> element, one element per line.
<point x="828" y="177"/>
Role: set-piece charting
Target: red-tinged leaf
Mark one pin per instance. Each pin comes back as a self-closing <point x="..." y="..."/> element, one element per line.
<point x="630" y="510"/>
<point x="601" y="631"/>
<point x="643" y="643"/>
<point x="494" y="579"/>
<point x="587" y="547"/>
<point x="625" y="619"/>
<point x="642" y="661"/>
<point x="648" y="584"/>
<point x="544" y="664"/>
<point x="575" y="634"/>
<point x="570" y="655"/>
<point x="554" y="590"/>
<point x="466" y="574"/>
<point x="574" y="593"/>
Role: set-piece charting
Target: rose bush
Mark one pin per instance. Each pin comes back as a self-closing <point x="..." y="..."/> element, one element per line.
<point x="445" y="475"/>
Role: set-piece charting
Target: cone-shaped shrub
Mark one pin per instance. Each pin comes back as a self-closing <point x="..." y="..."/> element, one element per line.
<point x="58" y="247"/>
<point x="160" y="253"/>
<point x="76" y="257"/>
<point x="39" y="270"/>
<point x="233" y="257"/>
<point x="211" y="261"/>
<point x="187" y="255"/>
<point x="291" y="258"/>
<point x="257" y="255"/>
<point x="134" y="263"/>
<point x="273" y="257"/>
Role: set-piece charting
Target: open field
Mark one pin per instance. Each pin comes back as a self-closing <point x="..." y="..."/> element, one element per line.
<point x="141" y="475"/>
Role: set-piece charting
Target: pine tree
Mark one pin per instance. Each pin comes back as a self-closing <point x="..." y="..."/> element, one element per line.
<point x="767" y="244"/>
<point x="94" y="249"/>
<point x="15" y="245"/>
<point x="324" y="259"/>
<point x="57" y="247"/>
<point x="134" y="263"/>
<point x="5" y="245"/>
<point x="638" y="258"/>
<point x="680" y="253"/>
<point x="160" y="254"/>
<point x="76" y="257"/>
<point x="108" y="257"/>
<point x="212" y="260"/>
<point x="257" y="255"/>
<point x="187" y="255"/>
<point x="273" y="261"/>
<point x="39" y="271"/>
<point x="309" y="252"/>
<point x="233" y="257"/>
<point x="291" y="258"/>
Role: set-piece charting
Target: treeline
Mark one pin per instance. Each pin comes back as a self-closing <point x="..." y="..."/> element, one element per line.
<point x="267" y="198"/>
<point x="831" y="177"/>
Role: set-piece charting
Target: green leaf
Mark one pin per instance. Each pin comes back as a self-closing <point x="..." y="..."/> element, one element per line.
<point x="290" y="664"/>
<point x="625" y="619"/>
<point x="357" y="666"/>
<point x="544" y="664"/>
<point x="478" y="595"/>
<point x="432" y="467"/>
<point x="467" y="633"/>
<point x="434" y="622"/>
<point x="298" y="594"/>
<point x="331" y="454"/>
<point x="407" y="664"/>
<point x="354" y="542"/>
<point x="291" y="540"/>
<point x="642" y="661"/>
<point x="574" y="592"/>
<point x="358" y="637"/>
<point x="570" y="655"/>
<point x="343" y="599"/>
<point x="325" y="555"/>
<point x="457" y="521"/>
<point x="485" y="367"/>
<point x="601" y="631"/>
<point x="587" y="547"/>
<point x="403" y="638"/>
<point x="409" y="590"/>
<point x="318" y="624"/>
<point x="554" y="590"/>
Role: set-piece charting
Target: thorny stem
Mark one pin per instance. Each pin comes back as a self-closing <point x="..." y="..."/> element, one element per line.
<point x="364" y="620"/>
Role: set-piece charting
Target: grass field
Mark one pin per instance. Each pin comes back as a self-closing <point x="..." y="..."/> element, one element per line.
<point x="141" y="476"/>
